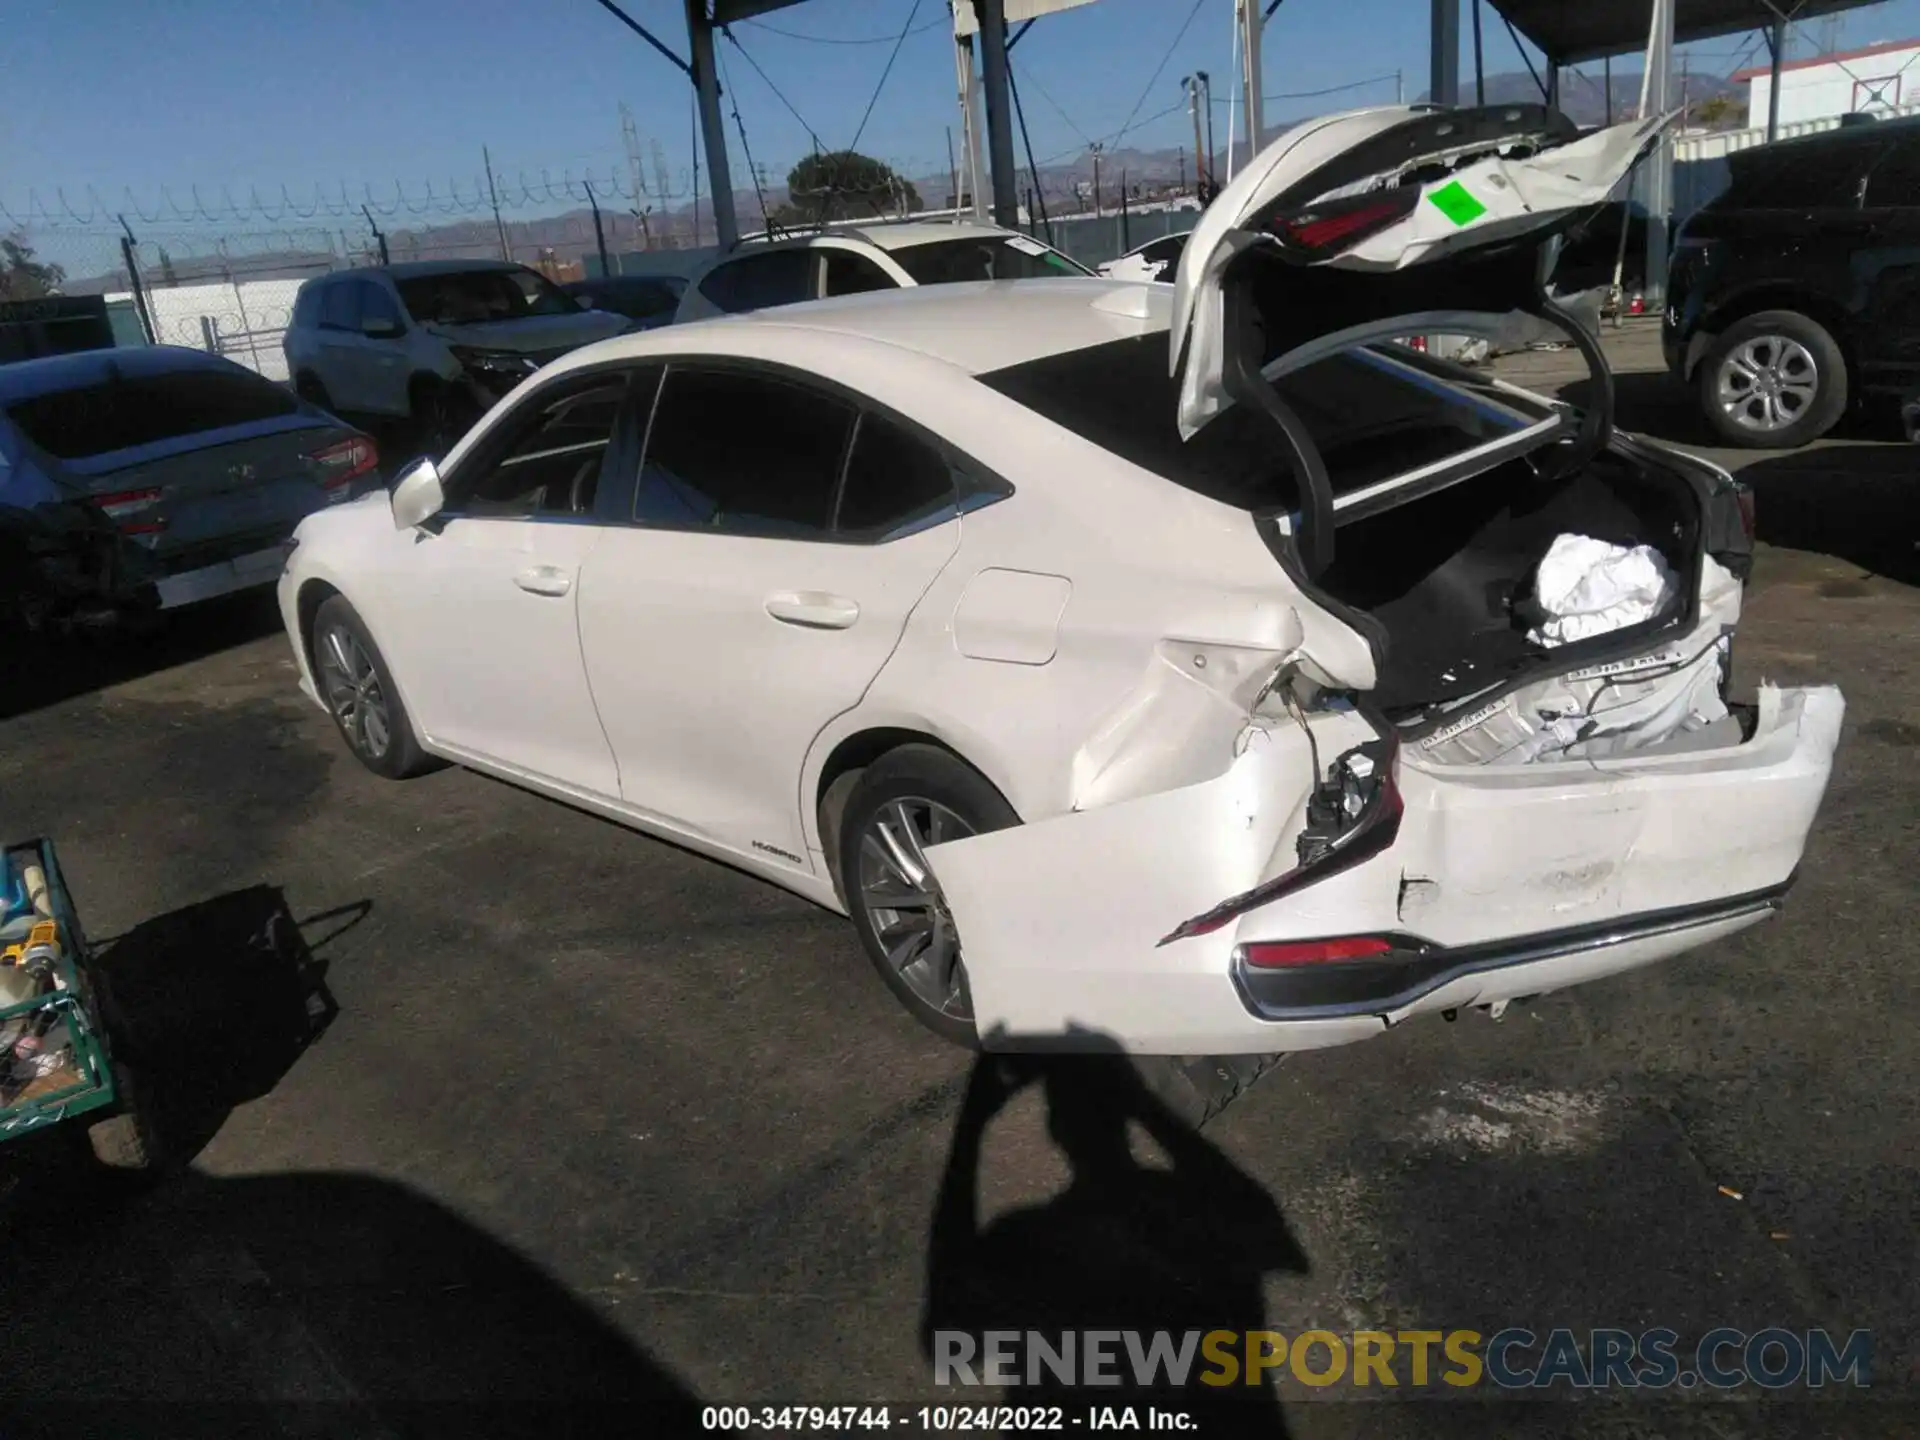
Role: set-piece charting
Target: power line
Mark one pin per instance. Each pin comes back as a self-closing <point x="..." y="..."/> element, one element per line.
<point x="1034" y="81"/>
<point x="842" y="40"/>
<point x="885" y="71"/>
<point x="812" y="134"/>
<point x="1154" y="79"/>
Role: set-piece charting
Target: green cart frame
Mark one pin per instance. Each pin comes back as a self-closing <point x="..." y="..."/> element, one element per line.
<point x="97" y="1091"/>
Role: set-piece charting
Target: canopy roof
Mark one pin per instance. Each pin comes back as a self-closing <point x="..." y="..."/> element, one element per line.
<point x="1570" y="33"/>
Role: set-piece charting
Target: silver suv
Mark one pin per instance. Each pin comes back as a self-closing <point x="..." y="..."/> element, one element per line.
<point x="435" y="342"/>
<point x="760" y="273"/>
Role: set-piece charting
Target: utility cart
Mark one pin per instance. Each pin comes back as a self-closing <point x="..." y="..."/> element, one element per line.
<point x="56" y="1057"/>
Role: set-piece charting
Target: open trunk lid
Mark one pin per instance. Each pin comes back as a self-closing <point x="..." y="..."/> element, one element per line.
<point x="1412" y="220"/>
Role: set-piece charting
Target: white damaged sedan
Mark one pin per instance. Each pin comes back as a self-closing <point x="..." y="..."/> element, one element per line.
<point x="1156" y="663"/>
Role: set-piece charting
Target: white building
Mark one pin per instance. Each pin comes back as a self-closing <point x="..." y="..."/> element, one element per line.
<point x="243" y="321"/>
<point x="1878" y="80"/>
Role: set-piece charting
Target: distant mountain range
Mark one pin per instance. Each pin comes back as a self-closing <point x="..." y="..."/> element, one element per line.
<point x="1145" y="173"/>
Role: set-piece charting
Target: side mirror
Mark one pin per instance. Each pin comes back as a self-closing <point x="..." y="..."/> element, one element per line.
<point x="416" y="497"/>
<point x="377" y="327"/>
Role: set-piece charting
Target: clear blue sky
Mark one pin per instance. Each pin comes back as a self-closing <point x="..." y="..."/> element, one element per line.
<point x="240" y="95"/>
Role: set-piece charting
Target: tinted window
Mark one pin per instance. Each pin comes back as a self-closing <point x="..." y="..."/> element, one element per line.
<point x="341" y="309"/>
<point x="893" y="480"/>
<point x="1797" y="177"/>
<point x="1895" y="182"/>
<point x="1166" y="250"/>
<point x="742" y="453"/>
<point x="759" y="282"/>
<point x="1370" y="415"/>
<point x="550" y="464"/>
<point x="849" y="273"/>
<point x="377" y="304"/>
<point x="637" y="299"/>
<point x="306" y="306"/>
<point x="470" y="297"/>
<point x="982" y="257"/>
<point x="139" y="410"/>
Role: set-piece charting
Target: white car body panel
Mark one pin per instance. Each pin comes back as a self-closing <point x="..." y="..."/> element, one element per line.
<point x="1103" y="646"/>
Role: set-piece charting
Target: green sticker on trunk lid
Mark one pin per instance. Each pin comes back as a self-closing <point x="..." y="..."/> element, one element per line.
<point x="1456" y="202"/>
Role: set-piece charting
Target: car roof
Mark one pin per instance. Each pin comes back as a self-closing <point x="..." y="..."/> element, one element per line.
<point x="975" y="326"/>
<point x="884" y="234"/>
<point x="50" y="374"/>
<point x="1879" y="132"/>
<point x="417" y="269"/>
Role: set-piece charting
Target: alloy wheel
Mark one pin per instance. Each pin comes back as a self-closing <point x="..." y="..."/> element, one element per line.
<point x="1767" y="383"/>
<point x="904" y="905"/>
<point x="353" y="692"/>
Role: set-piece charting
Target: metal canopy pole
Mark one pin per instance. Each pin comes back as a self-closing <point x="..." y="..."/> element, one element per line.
<point x="1251" y="28"/>
<point x="993" y="71"/>
<point x="976" y="182"/>
<point x="1443" y="87"/>
<point x="1777" y="44"/>
<point x="1659" y="170"/>
<point x="706" y="84"/>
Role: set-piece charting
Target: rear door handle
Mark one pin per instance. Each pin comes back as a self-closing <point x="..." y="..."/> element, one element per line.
<point x="813" y="608"/>
<point x="544" y="580"/>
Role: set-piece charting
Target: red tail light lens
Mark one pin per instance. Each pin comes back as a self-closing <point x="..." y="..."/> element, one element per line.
<point x="1283" y="954"/>
<point x="1748" y="523"/>
<point x="1323" y="229"/>
<point x="346" y="462"/>
<point x="125" y="506"/>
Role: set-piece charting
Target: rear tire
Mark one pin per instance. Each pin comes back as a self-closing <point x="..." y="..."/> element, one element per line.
<point x="128" y="1141"/>
<point x="907" y="798"/>
<point x="353" y="680"/>
<point x="1773" y="381"/>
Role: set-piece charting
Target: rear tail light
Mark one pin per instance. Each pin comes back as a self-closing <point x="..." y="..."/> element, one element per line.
<point x="1322" y="230"/>
<point x="1744" y="498"/>
<point x="342" y="464"/>
<point x="1371" y="826"/>
<point x="1284" y="954"/>
<point x="127" y="507"/>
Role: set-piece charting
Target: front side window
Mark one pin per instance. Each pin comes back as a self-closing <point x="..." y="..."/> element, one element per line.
<point x="983" y="257"/>
<point x="742" y="453"/>
<point x="762" y="281"/>
<point x="476" y="297"/>
<point x="548" y="459"/>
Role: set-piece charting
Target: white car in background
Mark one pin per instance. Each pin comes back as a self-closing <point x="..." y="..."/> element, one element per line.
<point x="760" y="273"/>
<point x="1128" y="661"/>
<point x="1155" y="260"/>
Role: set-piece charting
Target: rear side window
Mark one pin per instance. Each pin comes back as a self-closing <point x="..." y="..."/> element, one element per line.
<point x="759" y="282"/>
<point x="1797" y="177"/>
<point x="894" y="481"/>
<point x="1370" y="414"/>
<point x="849" y="273"/>
<point x="142" y="410"/>
<point x="306" y="306"/>
<point x="742" y="454"/>
<point x="341" y="309"/>
<point x="1895" y="181"/>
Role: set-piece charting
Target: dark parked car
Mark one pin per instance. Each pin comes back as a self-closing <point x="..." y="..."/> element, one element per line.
<point x="648" y="300"/>
<point x="1796" y="293"/>
<point x="139" y="480"/>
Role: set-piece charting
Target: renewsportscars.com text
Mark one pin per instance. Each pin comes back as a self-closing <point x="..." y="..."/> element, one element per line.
<point x="1510" y="1359"/>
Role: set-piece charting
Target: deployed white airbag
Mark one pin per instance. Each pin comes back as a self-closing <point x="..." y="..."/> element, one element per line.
<point x="1589" y="587"/>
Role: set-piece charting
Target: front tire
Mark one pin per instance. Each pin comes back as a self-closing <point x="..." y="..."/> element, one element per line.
<point x="912" y="797"/>
<point x="354" y="681"/>
<point x="309" y="389"/>
<point x="1773" y="381"/>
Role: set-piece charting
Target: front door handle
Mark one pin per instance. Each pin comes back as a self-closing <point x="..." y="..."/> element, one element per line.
<point x="544" y="580"/>
<point x="813" y="608"/>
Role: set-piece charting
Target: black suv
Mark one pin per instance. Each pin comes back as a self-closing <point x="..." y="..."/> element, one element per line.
<point x="1797" y="291"/>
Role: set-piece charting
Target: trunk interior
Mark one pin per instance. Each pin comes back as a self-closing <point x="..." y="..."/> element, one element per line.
<point x="1451" y="576"/>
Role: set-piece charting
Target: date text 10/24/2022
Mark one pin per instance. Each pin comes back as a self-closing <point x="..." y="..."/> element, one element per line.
<point x="940" y="1419"/>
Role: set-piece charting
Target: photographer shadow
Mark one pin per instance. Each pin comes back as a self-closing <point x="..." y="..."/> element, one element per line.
<point x="1180" y="1246"/>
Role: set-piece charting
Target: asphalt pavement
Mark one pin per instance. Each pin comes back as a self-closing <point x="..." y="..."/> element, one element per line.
<point x="524" y="1108"/>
